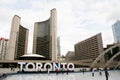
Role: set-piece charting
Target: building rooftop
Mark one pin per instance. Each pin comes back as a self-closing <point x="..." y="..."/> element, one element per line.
<point x="32" y="55"/>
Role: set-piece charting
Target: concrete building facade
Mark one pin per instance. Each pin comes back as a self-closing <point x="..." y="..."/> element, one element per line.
<point x="116" y="31"/>
<point x="18" y="41"/>
<point x="89" y="48"/>
<point x="3" y="48"/>
<point x="45" y="37"/>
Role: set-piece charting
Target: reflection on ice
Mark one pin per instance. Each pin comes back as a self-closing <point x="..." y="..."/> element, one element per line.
<point x="113" y="75"/>
<point x="41" y="77"/>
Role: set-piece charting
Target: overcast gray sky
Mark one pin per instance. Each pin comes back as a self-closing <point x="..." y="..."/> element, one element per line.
<point x="77" y="20"/>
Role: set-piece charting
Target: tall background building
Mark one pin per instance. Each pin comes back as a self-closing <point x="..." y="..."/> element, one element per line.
<point x="89" y="48"/>
<point x="58" y="48"/>
<point x="116" y="31"/>
<point x="3" y="48"/>
<point x="45" y="37"/>
<point x="18" y="41"/>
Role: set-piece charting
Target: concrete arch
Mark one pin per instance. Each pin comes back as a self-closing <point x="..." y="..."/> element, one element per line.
<point x="111" y="59"/>
<point x="102" y="54"/>
<point x="117" y="65"/>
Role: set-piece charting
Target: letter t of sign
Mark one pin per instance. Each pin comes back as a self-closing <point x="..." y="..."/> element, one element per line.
<point x="21" y="65"/>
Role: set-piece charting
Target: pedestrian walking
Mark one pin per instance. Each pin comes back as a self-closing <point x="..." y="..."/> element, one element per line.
<point x="56" y="71"/>
<point x="23" y="70"/>
<point x="67" y="71"/>
<point x="106" y="73"/>
<point x="83" y="70"/>
<point x="100" y="72"/>
<point x="62" y="71"/>
<point x="92" y="72"/>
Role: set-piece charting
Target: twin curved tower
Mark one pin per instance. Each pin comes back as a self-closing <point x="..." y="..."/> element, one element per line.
<point x="45" y="38"/>
<point x="18" y="41"/>
<point x="44" y="42"/>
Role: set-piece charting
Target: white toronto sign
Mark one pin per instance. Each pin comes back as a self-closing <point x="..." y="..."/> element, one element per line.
<point x="30" y="66"/>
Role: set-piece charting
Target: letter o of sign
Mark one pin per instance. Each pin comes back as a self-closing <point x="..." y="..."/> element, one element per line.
<point x="32" y="64"/>
<point x="70" y="66"/>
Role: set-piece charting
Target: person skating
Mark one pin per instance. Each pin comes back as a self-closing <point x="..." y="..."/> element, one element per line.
<point x="56" y="71"/>
<point x="92" y="72"/>
<point x="106" y="73"/>
<point x="100" y="72"/>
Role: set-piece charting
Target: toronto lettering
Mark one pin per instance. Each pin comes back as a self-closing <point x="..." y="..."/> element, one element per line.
<point x="45" y="66"/>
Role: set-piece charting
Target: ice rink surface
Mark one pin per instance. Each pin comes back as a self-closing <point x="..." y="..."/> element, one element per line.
<point x="113" y="75"/>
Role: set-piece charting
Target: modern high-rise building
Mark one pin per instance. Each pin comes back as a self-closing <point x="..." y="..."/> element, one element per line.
<point x="89" y="48"/>
<point x="3" y="48"/>
<point x="45" y="37"/>
<point x="18" y="41"/>
<point x="116" y="31"/>
<point x="58" y="48"/>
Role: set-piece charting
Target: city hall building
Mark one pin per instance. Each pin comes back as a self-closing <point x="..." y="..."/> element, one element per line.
<point x="18" y="41"/>
<point x="45" y="37"/>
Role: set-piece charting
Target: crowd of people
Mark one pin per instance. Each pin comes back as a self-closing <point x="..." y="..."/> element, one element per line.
<point x="66" y="71"/>
<point x="99" y="70"/>
<point x="57" y="71"/>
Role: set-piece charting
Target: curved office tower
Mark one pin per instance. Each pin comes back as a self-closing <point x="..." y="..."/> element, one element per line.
<point x="18" y="41"/>
<point x="45" y="37"/>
